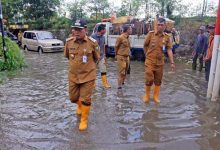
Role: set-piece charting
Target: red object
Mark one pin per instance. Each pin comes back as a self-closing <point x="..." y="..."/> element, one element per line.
<point x="217" y="27"/>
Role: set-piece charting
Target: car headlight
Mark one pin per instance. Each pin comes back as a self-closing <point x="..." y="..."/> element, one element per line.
<point x="44" y="44"/>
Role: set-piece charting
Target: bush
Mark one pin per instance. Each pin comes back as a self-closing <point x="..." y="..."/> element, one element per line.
<point x="15" y="58"/>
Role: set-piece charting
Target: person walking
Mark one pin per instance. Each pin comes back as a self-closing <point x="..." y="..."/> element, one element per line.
<point x="82" y="52"/>
<point x="154" y="44"/>
<point x="100" y="38"/>
<point x="122" y="53"/>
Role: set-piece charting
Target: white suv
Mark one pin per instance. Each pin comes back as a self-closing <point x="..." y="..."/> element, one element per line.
<point x="41" y="41"/>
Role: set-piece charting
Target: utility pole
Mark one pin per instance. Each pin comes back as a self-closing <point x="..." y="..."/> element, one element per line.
<point x="2" y="31"/>
<point x="213" y="85"/>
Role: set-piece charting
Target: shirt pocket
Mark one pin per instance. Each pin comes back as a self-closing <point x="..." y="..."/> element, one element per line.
<point x="88" y="52"/>
<point x="73" y="53"/>
<point x="124" y="43"/>
<point x="153" y="43"/>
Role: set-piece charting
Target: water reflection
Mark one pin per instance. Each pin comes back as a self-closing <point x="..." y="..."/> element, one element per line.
<point x="35" y="112"/>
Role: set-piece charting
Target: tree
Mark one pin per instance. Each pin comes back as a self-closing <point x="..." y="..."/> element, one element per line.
<point x="40" y="9"/>
<point x="124" y="10"/>
<point x="99" y="7"/>
<point x="167" y="7"/>
<point x="204" y="7"/>
<point x="78" y="9"/>
<point x="12" y="10"/>
<point x="130" y="7"/>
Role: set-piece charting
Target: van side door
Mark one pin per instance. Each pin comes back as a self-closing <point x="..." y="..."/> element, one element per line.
<point x="33" y="41"/>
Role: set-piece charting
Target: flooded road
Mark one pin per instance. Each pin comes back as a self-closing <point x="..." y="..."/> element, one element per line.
<point x="36" y="114"/>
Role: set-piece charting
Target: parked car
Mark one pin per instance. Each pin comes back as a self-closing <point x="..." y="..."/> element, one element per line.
<point x="10" y="36"/>
<point x="41" y="41"/>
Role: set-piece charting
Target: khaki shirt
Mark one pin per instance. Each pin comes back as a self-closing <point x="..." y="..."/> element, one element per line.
<point x="80" y="72"/>
<point x="153" y="47"/>
<point x="122" y="46"/>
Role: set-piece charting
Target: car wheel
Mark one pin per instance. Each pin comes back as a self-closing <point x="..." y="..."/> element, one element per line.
<point x="40" y="50"/>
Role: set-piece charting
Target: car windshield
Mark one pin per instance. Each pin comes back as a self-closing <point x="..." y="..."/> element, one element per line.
<point x="45" y="35"/>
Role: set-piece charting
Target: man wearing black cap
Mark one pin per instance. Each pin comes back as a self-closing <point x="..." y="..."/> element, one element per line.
<point x="154" y="44"/>
<point x="100" y="38"/>
<point x="83" y="52"/>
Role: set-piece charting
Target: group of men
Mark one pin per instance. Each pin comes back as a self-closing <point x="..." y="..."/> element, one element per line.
<point x="85" y="52"/>
<point x="203" y="49"/>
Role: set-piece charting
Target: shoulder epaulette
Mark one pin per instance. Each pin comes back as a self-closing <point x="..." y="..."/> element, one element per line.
<point x="92" y="39"/>
<point x="69" y="39"/>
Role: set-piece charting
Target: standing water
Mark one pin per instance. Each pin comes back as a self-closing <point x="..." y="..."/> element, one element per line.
<point x="36" y="114"/>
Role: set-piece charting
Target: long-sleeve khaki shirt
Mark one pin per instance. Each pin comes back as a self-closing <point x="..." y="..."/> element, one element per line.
<point x="154" y="44"/>
<point x="79" y="71"/>
<point x="122" y="46"/>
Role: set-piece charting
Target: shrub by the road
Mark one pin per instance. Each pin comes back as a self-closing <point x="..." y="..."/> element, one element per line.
<point x="15" y="58"/>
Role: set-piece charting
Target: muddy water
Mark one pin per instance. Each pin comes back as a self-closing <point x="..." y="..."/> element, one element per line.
<point x="35" y="113"/>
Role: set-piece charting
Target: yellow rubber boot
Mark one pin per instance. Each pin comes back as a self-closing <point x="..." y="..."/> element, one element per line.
<point x="146" y="96"/>
<point x="84" y="117"/>
<point x="105" y="82"/>
<point x="156" y="94"/>
<point x="79" y="107"/>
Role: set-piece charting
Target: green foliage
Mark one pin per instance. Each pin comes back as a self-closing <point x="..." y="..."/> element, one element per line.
<point x="15" y="58"/>
<point x="60" y="23"/>
<point x="54" y="23"/>
<point x="20" y="10"/>
<point x="43" y="8"/>
<point x="12" y="9"/>
<point x="78" y="9"/>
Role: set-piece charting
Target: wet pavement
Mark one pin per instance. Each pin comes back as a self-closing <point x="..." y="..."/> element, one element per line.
<point x="35" y="113"/>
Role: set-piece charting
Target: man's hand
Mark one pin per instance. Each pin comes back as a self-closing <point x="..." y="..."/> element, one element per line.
<point x="173" y="66"/>
<point x="200" y="56"/>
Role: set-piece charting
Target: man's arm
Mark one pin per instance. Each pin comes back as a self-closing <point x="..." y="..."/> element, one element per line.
<point x="66" y="51"/>
<point x="170" y="53"/>
<point x="96" y="52"/>
<point x="117" y="45"/>
<point x="146" y="42"/>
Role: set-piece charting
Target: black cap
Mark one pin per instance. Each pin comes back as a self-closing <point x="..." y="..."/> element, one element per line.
<point x="161" y="20"/>
<point x="80" y="23"/>
<point x="125" y="27"/>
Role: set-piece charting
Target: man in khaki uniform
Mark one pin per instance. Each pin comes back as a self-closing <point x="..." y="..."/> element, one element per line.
<point x="154" y="45"/>
<point x="83" y="52"/>
<point x="122" y="52"/>
<point x="20" y="34"/>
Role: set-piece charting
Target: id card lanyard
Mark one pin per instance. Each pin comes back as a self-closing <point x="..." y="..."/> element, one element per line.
<point x="164" y="47"/>
<point x="84" y="59"/>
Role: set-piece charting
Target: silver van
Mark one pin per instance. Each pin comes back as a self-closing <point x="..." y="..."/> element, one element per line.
<point x="41" y="41"/>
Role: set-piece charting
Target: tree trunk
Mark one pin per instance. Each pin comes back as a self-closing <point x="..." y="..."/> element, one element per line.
<point x="162" y="8"/>
<point x="204" y="7"/>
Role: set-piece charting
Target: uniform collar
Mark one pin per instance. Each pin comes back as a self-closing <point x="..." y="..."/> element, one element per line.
<point x="84" y="39"/>
<point x="160" y="34"/>
<point x="125" y="35"/>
